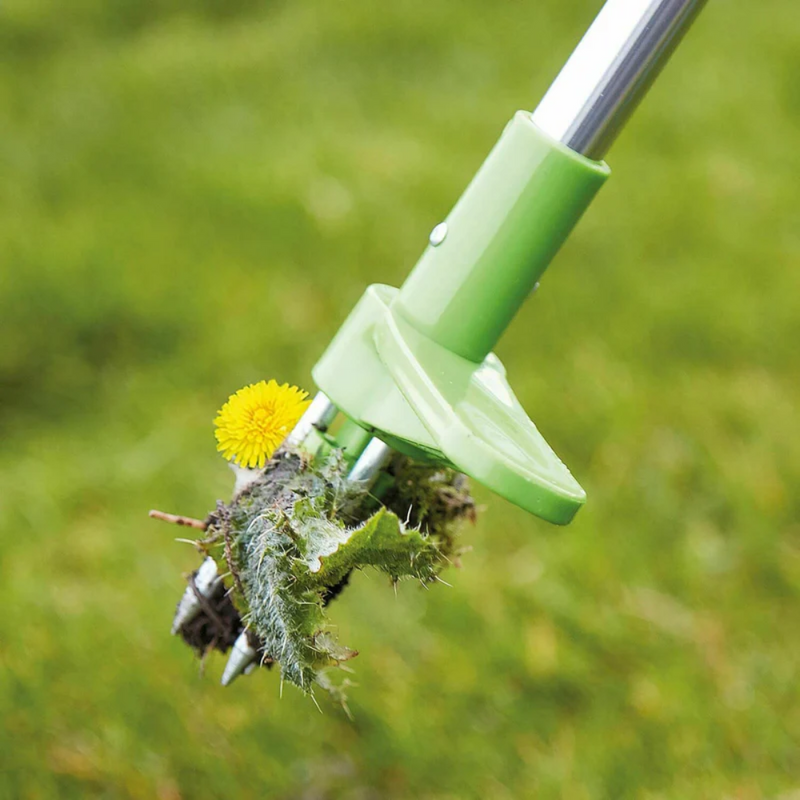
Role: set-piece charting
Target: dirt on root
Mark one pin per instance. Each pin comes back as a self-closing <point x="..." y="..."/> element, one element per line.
<point x="216" y="626"/>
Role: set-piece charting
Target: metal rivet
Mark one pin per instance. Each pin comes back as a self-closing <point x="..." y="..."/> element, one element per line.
<point x="438" y="234"/>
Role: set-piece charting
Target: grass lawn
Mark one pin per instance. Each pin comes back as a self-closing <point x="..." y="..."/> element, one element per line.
<point x="193" y="196"/>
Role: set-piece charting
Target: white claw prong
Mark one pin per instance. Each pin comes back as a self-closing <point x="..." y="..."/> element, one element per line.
<point x="206" y="581"/>
<point x="242" y="656"/>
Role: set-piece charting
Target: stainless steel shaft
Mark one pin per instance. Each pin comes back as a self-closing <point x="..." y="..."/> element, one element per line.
<point x="611" y="70"/>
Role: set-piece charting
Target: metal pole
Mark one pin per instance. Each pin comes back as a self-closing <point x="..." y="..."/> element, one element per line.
<point x="611" y="70"/>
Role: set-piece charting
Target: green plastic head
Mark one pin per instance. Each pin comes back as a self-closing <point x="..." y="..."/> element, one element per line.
<point x="415" y="367"/>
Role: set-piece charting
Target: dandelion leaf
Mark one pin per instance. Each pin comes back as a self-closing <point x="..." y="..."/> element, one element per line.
<point x="382" y="542"/>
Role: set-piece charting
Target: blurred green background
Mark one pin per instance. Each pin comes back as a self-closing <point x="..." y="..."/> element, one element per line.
<point x="193" y="195"/>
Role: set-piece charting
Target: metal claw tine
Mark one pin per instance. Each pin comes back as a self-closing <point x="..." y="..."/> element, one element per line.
<point x="375" y="457"/>
<point x="320" y="414"/>
<point x="206" y="580"/>
<point x="242" y="656"/>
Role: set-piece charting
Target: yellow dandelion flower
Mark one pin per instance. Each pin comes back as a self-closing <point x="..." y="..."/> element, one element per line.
<point x="256" y="420"/>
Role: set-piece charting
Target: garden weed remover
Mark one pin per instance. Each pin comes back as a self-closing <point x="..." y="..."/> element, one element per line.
<point x="372" y="472"/>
